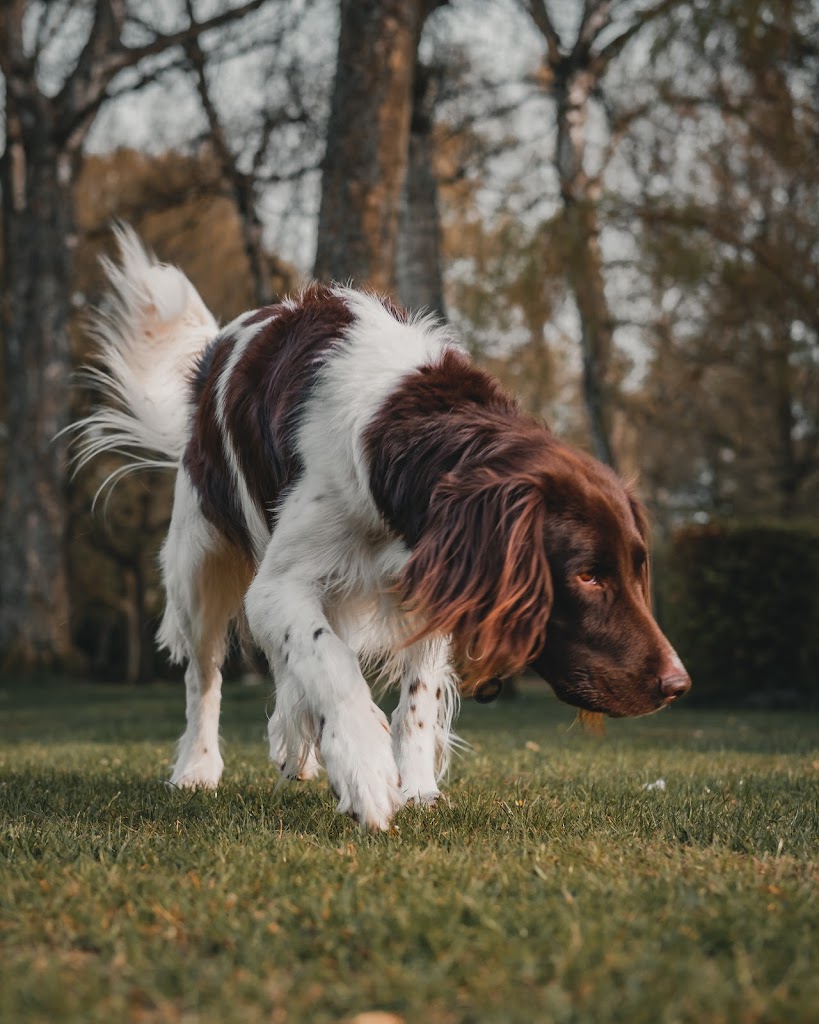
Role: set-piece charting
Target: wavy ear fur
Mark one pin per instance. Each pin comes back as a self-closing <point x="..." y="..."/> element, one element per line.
<point x="480" y="573"/>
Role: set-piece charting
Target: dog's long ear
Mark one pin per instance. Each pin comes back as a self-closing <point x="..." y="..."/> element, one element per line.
<point x="480" y="573"/>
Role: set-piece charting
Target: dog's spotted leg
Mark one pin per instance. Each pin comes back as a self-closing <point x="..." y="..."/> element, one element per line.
<point x="325" y="695"/>
<point x="421" y="722"/>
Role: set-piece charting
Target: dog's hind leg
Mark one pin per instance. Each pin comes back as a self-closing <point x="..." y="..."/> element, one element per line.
<point x="205" y="579"/>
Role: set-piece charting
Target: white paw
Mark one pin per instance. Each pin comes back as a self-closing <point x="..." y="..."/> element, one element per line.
<point x="427" y="798"/>
<point x="198" y="772"/>
<point x="357" y="752"/>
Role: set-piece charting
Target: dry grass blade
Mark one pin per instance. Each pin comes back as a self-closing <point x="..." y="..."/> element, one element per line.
<point x="591" y="722"/>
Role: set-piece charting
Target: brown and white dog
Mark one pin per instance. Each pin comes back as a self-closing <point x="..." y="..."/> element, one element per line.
<point x="350" y="482"/>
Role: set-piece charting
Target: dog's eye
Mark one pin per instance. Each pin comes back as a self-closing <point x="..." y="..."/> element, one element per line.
<point x="590" y="579"/>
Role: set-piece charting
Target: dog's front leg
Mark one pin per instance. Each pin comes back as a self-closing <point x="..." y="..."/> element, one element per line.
<point x="422" y="721"/>
<point x="324" y="685"/>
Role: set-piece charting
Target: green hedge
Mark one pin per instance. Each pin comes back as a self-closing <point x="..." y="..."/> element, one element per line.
<point x="740" y="602"/>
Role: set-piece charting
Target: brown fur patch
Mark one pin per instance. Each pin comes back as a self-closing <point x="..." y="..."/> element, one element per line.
<point x="457" y="470"/>
<point x="204" y="457"/>
<point x="263" y="402"/>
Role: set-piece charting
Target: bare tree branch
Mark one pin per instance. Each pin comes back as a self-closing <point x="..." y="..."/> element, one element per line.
<point x="240" y="185"/>
<point x="596" y="17"/>
<point x="539" y="14"/>
<point x="132" y="55"/>
<point x="619" y="125"/>
<point x="603" y="57"/>
<point x="148" y="76"/>
<point x="104" y="56"/>
<point x="196" y="60"/>
<point x="90" y="77"/>
<point x="719" y="229"/>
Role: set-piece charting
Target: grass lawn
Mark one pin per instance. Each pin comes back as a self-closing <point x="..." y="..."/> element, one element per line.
<point x="552" y="887"/>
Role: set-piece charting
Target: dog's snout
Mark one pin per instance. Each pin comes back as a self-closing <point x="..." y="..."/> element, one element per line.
<point x="674" y="685"/>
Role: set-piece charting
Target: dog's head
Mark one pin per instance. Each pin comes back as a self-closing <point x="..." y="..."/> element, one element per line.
<point x="603" y="650"/>
<point x="540" y="559"/>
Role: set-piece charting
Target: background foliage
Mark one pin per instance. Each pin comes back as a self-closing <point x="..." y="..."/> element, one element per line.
<point x="740" y="602"/>
<point x="614" y="204"/>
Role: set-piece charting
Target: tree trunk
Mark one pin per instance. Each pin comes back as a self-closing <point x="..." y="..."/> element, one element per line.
<point x="44" y="137"/>
<point x="37" y="236"/>
<point x="252" y="234"/>
<point x="585" y="273"/>
<point x="418" y="261"/>
<point x="367" y="139"/>
<point x="579" y="193"/>
<point x="139" y="664"/>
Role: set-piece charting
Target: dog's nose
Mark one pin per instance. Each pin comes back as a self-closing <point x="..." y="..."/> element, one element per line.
<point x="674" y="685"/>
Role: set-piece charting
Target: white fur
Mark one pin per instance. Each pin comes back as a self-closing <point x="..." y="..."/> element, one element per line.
<point x="148" y="339"/>
<point x="353" y="385"/>
<point x="319" y="601"/>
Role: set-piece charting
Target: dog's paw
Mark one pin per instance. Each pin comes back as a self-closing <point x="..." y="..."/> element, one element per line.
<point x="418" y="799"/>
<point x="418" y="783"/>
<point x="202" y="772"/>
<point x="357" y="753"/>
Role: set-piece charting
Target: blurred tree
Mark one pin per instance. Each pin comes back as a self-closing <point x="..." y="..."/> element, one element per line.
<point x="115" y="593"/>
<point x="677" y="216"/>
<point x="241" y="185"/>
<point x="573" y="75"/>
<point x="419" y="277"/>
<point x="365" y="163"/>
<point x="731" y="254"/>
<point x="50" y="107"/>
<point x="179" y="206"/>
<point x="243" y="157"/>
<point x="505" y="308"/>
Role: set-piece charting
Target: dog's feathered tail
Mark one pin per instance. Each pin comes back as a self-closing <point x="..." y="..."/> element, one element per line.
<point x="148" y="334"/>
